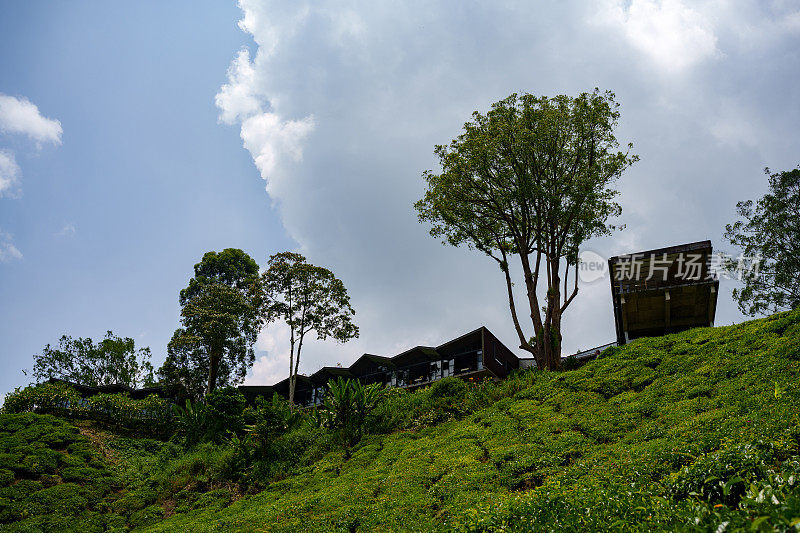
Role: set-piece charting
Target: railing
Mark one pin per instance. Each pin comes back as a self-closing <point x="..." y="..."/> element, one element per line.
<point x="593" y="352"/>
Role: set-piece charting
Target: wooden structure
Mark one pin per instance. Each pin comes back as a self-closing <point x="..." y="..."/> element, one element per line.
<point x="663" y="291"/>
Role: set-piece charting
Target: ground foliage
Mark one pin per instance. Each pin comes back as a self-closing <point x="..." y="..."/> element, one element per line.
<point x="697" y="431"/>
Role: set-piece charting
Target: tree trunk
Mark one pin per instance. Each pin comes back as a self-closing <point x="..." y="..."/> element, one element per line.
<point x="533" y="303"/>
<point x="213" y="368"/>
<point x="291" y="369"/>
<point x="296" y="363"/>
<point x="555" y="313"/>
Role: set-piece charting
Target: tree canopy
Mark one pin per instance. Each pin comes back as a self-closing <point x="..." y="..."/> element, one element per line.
<point x="769" y="233"/>
<point x="221" y="313"/>
<point x="113" y="360"/>
<point x="307" y="298"/>
<point x="185" y="369"/>
<point x="531" y="178"/>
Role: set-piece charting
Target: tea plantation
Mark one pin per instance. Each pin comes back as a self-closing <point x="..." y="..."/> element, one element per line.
<point x="697" y="431"/>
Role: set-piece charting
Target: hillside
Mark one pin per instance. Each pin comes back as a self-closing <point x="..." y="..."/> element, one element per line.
<point x="692" y="431"/>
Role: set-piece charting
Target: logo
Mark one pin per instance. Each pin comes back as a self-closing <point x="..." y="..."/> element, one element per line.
<point x="591" y="266"/>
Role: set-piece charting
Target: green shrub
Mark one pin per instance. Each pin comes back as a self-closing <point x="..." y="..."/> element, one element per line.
<point x="347" y="408"/>
<point x="224" y="413"/>
<point x="152" y="414"/>
<point x="54" y="398"/>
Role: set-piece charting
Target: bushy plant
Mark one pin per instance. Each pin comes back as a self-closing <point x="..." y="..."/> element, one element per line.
<point x="54" y="398"/>
<point x="190" y="422"/>
<point x="151" y="414"/>
<point x="348" y="405"/>
<point x="269" y="420"/>
<point x="224" y="413"/>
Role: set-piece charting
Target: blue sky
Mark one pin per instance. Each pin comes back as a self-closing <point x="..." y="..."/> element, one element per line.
<point x="144" y="174"/>
<point x="267" y="126"/>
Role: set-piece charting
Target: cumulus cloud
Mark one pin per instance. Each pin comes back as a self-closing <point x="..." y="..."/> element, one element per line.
<point x="21" y="116"/>
<point x="267" y="137"/>
<point x="9" y="174"/>
<point x="340" y="105"/>
<point x="265" y="133"/>
<point x="670" y="33"/>
<point x="8" y="251"/>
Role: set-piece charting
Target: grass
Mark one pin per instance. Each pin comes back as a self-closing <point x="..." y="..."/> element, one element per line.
<point x="697" y="431"/>
<point x="631" y="441"/>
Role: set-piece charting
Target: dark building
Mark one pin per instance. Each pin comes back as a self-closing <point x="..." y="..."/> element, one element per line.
<point x="477" y="355"/>
<point x="663" y="291"/>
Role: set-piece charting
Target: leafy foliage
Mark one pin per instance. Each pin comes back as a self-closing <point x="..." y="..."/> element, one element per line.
<point x="697" y="431"/>
<point x="531" y="178"/>
<point x="150" y="415"/>
<point x="307" y="298"/>
<point x="221" y="414"/>
<point x="221" y="312"/>
<point x="52" y="478"/>
<point x="770" y="230"/>
<point x="348" y="404"/>
<point x="184" y="373"/>
<point x="114" y="360"/>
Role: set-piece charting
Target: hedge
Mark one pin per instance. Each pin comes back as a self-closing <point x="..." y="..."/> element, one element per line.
<point x="151" y="414"/>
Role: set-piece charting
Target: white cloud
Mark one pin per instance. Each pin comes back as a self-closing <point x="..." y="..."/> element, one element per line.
<point x="340" y="105"/>
<point x="20" y="116"/>
<point x="732" y="125"/>
<point x="273" y="366"/>
<point x="267" y="138"/>
<point x="9" y="174"/>
<point x="235" y="99"/>
<point x="8" y="251"/>
<point x="670" y="33"/>
<point x="68" y="230"/>
<point x="265" y="134"/>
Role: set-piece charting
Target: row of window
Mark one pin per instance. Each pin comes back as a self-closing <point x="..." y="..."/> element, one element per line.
<point x="408" y="376"/>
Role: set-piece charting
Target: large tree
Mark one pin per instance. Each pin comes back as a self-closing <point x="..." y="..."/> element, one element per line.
<point x="307" y="298"/>
<point x="221" y="310"/>
<point x="185" y="369"/>
<point x="769" y="233"/>
<point x="532" y="179"/>
<point x="113" y="360"/>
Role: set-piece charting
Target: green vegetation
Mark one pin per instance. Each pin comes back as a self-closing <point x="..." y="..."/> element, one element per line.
<point x="697" y="431"/>
<point x="307" y="298"/>
<point x="532" y="178"/>
<point x="221" y="319"/>
<point x="151" y="415"/>
<point x="113" y="360"/>
<point x="768" y="232"/>
<point x="52" y="477"/>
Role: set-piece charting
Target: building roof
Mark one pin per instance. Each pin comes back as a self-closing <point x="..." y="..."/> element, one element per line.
<point x="326" y="373"/>
<point x="368" y="360"/>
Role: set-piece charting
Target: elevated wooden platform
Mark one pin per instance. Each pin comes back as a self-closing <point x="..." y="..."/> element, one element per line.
<point x="663" y="290"/>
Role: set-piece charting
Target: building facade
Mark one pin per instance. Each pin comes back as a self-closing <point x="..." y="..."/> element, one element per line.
<point x="477" y="355"/>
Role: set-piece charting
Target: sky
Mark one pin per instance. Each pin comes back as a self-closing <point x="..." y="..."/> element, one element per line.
<point x="134" y="137"/>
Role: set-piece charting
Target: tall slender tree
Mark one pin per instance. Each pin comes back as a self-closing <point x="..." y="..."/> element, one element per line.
<point x="308" y="299"/>
<point x="531" y="178"/>
<point x="221" y="310"/>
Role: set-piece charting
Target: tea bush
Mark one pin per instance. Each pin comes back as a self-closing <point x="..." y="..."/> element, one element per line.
<point x="696" y="431"/>
<point x="52" y="478"/>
